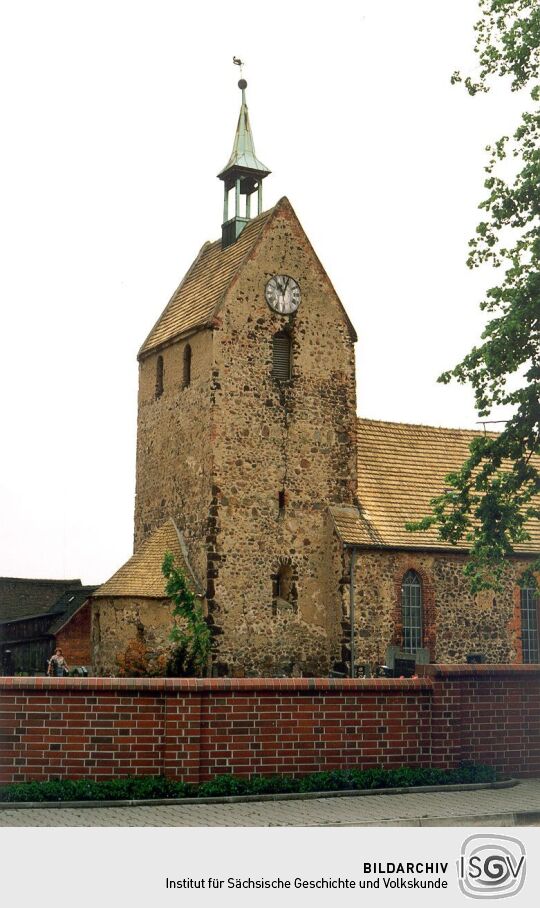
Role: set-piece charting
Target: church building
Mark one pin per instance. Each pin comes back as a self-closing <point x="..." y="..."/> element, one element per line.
<point x="284" y="509"/>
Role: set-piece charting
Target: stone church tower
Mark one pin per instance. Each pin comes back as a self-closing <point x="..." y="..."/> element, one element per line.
<point x="246" y="431"/>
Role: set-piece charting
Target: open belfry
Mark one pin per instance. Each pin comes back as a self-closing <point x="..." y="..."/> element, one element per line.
<point x="284" y="510"/>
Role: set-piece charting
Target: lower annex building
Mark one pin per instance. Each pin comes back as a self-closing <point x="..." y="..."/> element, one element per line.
<point x="282" y="507"/>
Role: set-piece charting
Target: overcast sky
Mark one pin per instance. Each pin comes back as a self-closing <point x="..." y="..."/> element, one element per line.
<point x="116" y="117"/>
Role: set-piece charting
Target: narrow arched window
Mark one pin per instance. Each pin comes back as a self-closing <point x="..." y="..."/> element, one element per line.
<point x="187" y="366"/>
<point x="411" y="611"/>
<point x="529" y="602"/>
<point x="159" y="376"/>
<point x="281" y="356"/>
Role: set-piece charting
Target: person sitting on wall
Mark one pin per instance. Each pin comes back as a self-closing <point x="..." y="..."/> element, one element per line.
<point x="57" y="665"/>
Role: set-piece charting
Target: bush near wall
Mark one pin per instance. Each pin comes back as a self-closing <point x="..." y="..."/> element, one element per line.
<point x="153" y="787"/>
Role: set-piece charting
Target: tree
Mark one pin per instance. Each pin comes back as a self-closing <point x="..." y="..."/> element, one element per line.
<point x="489" y="500"/>
<point x="190" y="633"/>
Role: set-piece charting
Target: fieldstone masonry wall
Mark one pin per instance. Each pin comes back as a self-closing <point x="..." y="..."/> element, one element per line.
<point x="119" y="621"/>
<point x="174" y="446"/>
<point x="455" y="622"/>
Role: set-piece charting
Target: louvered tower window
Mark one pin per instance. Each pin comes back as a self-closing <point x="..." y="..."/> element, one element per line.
<point x="281" y="356"/>
<point x="529" y="624"/>
<point x="411" y="611"/>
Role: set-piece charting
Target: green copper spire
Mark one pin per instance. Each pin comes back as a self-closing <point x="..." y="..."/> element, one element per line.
<point x="244" y="173"/>
<point x="243" y="153"/>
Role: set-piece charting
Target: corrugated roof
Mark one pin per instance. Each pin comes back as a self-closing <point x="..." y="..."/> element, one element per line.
<point x="195" y="301"/>
<point x="21" y="597"/>
<point x="141" y="576"/>
<point x="68" y="604"/>
<point x="401" y="468"/>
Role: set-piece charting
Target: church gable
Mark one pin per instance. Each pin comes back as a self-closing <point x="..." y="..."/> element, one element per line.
<point x="283" y="248"/>
<point x="213" y="276"/>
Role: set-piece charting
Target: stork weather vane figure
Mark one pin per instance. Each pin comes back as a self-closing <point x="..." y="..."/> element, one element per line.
<point x="238" y="62"/>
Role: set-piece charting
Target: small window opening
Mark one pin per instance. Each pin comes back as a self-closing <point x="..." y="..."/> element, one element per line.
<point x="281" y="356"/>
<point x="159" y="376"/>
<point x="187" y="366"/>
<point x="281" y="501"/>
<point x="284" y="582"/>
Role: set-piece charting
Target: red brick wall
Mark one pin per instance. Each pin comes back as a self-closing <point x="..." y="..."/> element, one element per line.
<point x="195" y="729"/>
<point x="488" y="714"/>
<point x="74" y="638"/>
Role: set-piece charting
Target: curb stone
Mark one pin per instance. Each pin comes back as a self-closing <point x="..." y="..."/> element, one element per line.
<point x="247" y="799"/>
<point x="512" y="818"/>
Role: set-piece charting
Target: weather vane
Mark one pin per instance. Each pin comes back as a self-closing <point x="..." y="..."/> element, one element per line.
<point x="238" y="62"/>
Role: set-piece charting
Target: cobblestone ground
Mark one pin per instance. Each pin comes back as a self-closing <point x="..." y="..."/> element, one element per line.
<point x="487" y="808"/>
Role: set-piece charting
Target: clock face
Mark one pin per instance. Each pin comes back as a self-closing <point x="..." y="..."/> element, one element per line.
<point x="283" y="294"/>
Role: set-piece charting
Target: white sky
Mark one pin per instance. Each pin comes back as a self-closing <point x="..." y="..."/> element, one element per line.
<point x="116" y="116"/>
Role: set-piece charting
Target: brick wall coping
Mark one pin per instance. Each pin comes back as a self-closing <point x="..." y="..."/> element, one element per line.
<point x="495" y="670"/>
<point x="201" y="685"/>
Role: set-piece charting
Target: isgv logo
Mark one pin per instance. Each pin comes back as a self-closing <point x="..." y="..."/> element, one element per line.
<point x="491" y="866"/>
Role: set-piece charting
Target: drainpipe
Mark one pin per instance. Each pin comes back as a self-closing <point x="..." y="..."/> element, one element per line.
<point x="351" y="605"/>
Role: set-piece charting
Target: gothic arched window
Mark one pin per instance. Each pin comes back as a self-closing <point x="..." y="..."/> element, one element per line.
<point x="411" y="611"/>
<point x="529" y="603"/>
<point x="159" y="376"/>
<point x="186" y="381"/>
<point x="281" y="356"/>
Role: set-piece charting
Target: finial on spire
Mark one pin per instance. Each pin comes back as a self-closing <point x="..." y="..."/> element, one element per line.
<point x="242" y="82"/>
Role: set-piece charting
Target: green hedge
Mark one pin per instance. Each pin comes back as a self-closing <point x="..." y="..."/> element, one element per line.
<point x="147" y="787"/>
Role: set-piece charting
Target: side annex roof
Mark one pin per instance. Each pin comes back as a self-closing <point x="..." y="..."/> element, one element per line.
<point x="141" y="576"/>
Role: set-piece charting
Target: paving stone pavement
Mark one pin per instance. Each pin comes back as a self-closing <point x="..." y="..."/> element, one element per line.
<point x="490" y="807"/>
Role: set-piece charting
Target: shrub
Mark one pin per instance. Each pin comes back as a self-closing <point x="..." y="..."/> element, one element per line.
<point x="149" y="787"/>
<point x="139" y="661"/>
